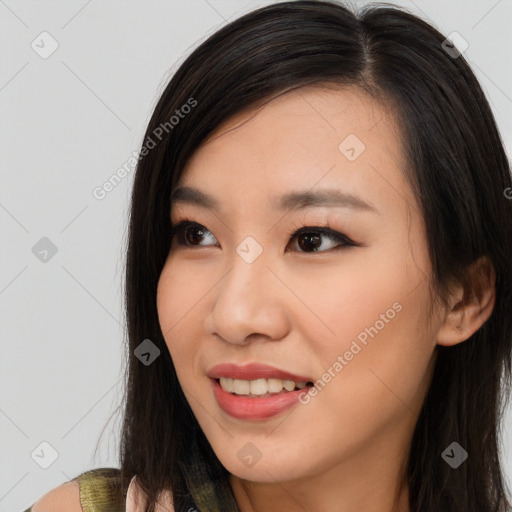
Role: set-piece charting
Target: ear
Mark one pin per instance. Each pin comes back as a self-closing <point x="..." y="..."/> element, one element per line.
<point x="469" y="308"/>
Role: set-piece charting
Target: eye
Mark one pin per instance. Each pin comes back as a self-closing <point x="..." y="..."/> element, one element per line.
<point x="188" y="233"/>
<point x="309" y="238"/>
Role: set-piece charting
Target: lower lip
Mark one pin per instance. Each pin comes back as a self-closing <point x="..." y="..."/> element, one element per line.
<point x="247" y="408"/>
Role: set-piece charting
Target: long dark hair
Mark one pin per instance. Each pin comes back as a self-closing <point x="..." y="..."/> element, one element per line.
<point x="457" y="168"/>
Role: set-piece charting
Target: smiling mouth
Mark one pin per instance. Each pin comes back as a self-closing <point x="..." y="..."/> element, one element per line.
<point x="260" y="388"/>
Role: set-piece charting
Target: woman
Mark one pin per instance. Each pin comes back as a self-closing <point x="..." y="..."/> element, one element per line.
<point x="318" y="282"/>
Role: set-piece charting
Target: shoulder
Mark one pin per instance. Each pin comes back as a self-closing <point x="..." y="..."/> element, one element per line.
<point x="64" y="498"/>
<point x="97" y="489"/>
<point x="136" y="499"/>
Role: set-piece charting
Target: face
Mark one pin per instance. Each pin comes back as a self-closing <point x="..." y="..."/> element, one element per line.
<point x="342" y="303"/>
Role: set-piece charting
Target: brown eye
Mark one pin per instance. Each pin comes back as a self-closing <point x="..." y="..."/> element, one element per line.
<point x="310" y="239"/>
<point x="193" y="234"/>
<point x="189" y="233"/>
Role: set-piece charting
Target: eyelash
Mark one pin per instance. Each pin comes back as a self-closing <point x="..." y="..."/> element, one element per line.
<point x="180" y="228"/>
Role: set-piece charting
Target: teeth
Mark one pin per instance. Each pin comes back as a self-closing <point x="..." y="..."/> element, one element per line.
<point x="274" y="385"/>
<point x="227" y="384"/>
<point x="241" y="387"/>
<point x="259" y="386"/>
<point x="289" y="385"/>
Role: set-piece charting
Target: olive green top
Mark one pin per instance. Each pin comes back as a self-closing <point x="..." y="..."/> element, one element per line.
<point x="99" y="491"/>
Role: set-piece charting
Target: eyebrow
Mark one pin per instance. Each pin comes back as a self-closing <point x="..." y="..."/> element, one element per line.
<point x="292" y="200"/>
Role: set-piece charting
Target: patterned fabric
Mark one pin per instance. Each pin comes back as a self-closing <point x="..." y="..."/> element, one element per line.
<point x="100" y="491"/>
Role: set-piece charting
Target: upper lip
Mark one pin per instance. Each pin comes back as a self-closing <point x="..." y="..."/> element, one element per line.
<point x="253" y="371"/>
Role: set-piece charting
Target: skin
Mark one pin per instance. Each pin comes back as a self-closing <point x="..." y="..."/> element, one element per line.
<point x="299" y="310"/>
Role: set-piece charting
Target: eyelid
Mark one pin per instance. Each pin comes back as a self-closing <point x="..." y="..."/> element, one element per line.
<point x="324" y="230"/>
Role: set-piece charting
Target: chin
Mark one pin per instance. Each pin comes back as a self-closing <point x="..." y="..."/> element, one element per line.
<point x="265" y="471"/>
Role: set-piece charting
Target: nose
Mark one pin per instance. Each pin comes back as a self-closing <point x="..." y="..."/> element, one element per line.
<point x="250" y="303"/>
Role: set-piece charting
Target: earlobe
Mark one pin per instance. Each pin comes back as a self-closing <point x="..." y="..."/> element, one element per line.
<point x="470" y="309"/>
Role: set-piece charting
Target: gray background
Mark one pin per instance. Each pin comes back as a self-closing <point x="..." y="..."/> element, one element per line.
<point x="68" y="122"/>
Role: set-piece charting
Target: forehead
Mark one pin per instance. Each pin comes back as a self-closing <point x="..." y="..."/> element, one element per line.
<point x="310" y="138"/>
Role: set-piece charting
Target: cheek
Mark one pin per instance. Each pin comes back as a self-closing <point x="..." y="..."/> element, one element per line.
<point x="181" y="293"/>
<point x="374" y="347"/>
<point x="372" y="373"/>
<point x="178" y="302"/>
